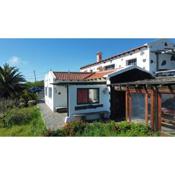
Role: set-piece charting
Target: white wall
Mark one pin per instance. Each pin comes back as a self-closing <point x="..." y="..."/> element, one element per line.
<point x="60" y="96"/>
<point x="160" y="45"/>
<point x="120" y="62"/>
<point x="144" y="57"/>
<point x="104" y="99"/>
<point x="49" y="78"/>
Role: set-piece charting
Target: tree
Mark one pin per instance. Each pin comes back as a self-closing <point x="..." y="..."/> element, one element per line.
<point x="11" y="81"/>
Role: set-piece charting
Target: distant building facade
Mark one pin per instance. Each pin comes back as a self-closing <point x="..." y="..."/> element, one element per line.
<point x="154" y="56"/>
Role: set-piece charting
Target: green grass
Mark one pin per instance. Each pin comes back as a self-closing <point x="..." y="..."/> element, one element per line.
<point x="34" y="126"/>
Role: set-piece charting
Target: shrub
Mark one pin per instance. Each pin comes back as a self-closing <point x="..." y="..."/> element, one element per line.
<point x="6" y="104"/>
<point x="17" y="117"/>
<point x="134" y="129"/>
<point x="110" y="128"/>
<point x="23" y="122"/>
<point x="27" y="96"/>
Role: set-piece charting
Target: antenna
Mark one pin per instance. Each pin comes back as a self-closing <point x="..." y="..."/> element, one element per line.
<point x="34" y="75"/>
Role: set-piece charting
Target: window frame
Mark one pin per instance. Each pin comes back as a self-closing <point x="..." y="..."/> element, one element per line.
<point x="45" y="91"/>
<point x="49" y="92"/>
<point x="135" y="59"/>
<point x="89" y="103"/>
<point x="110" y="67"/>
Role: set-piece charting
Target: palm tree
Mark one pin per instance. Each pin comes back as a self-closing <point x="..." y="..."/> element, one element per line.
<point x="11" y="81"/>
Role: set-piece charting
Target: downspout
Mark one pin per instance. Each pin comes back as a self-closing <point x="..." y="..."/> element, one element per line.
<point x="68" y="100"/>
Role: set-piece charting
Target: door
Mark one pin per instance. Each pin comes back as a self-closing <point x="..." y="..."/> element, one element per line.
<point x="117" y="105"/>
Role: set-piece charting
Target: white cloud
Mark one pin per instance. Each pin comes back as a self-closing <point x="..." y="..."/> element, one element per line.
<point x="15" y="61"/>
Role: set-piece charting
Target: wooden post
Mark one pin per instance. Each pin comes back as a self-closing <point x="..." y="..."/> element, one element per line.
<point x="146" y="109"/>
<point x="126" y="105"/>
<point x="130" y="107"/>
<point x="152" y="108"/>
<point x="159" y="111"/>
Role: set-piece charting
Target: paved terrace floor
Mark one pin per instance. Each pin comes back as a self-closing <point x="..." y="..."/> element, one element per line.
<point x="53" y="120"/>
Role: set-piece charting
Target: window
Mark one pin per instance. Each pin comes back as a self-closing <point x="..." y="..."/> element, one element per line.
<point x="87" y="96"/>
<point x="138" y="106"/>
<point x="173" y="58"/>
<point x="109" y="67"/>
<point x="168" y="111"/>
<point x="50" y="92"/>
<point x="131" y="62"/>
<point x="152" y="61"/>
<point x="163" y="63"/>
<point x="144" y="60"/>
<point x="45" y="91"/>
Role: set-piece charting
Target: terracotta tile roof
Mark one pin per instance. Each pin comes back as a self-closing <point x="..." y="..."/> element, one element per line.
<point x="78" y="76"/>
<point x="100" y="74"/>
<point x="71" y="75"/>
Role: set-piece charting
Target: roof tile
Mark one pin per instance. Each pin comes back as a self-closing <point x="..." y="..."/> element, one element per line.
<point x="78" y="76"/>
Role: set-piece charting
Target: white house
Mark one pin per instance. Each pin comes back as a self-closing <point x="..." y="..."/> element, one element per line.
<point x="83" y="94"/>
<point x="155" y="56"/>
<point x="87" y="93"/>
<point x="77" y="93"/>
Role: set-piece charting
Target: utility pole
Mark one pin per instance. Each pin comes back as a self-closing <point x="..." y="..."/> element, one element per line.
<point x="34" y="75"/>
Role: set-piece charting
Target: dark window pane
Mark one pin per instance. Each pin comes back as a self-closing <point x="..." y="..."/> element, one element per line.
<point x="109" y="67"/>
<point x="50" y="92"/>
<point x="138" y="107"/>
<point x="168" y="106"/>
<point x="163" y="62"/>
<point x="131" y="62"/>
<point x="168" y="113"/>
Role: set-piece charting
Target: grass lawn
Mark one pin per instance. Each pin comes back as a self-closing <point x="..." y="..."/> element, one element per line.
<point x="22" y="122"/>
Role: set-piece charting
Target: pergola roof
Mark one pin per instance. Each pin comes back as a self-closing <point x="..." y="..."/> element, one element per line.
<point x="154" y="82"/>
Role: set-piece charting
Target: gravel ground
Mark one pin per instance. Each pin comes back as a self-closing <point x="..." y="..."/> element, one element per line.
<point x="53" y="120"/>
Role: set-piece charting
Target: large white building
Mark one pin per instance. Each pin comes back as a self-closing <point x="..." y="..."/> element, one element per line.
<point x="89" y="93"/>
<point x="155" y="56"/>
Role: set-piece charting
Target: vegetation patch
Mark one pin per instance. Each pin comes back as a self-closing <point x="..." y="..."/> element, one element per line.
<point x="110" y="128"/>
<point x="22" y="122"/>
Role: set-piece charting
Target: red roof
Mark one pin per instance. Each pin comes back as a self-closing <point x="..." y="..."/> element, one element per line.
<point x="71" y="75"/>
<point x="100" y="74"/>
<point x="78" y="76"/>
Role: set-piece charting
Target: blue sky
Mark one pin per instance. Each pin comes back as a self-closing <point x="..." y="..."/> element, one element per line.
<point x="43" y="55"/>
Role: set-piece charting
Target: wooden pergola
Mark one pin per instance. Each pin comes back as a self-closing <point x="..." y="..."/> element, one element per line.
<point x="151" y="88"/>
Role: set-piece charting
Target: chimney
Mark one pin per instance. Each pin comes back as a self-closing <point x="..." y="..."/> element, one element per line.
<point x="99" y="56"/>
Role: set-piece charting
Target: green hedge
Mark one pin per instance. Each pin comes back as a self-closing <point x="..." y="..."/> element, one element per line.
<point x="103" y="129"/>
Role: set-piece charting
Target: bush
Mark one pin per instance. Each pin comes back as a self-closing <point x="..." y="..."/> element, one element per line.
<point x="17" y="117"/>
<point x="110" y="128"/>
<point x="23" y="122"/>
<point x="6" y="104"/>
<point x="28" y="96"/>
